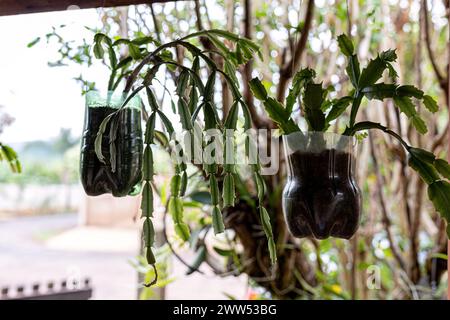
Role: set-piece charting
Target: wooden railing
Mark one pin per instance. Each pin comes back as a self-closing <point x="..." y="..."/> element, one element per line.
<point x="12" y="7"/>
<point x="50" y="291"/>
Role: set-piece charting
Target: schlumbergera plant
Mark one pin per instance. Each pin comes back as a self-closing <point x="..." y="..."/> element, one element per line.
<point x="193" y="99"/>
<point x="319" y="111"/>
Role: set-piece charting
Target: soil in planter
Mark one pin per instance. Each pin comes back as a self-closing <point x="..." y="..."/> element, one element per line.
<point x="97" y="178"/>
<point x="321" y="198"/>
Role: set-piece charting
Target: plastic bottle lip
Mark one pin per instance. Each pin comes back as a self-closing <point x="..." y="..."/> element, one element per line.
<point x="314" y="142"/>
<point x="111" y="99"/>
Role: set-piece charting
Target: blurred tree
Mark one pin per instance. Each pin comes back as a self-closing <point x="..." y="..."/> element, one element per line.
<point x="64" y="141"/>
<point x="5" y="119"/>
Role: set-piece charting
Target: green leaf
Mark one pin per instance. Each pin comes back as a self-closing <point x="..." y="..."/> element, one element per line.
<point x="278" y="114"/>
<point x="338" y="108"/>
<point x="114" y="127"/>
<point x="147" y="201"/>
<point x="135" y="53"/>
<point x="193" y="101"/>
<point x="33" y="42"/>
<point x="247" y="51"/>
<point x="11" y="156"/>
<point x="201" y="196"/>
<point x="162" y="138"/>
<point x="184" y="181"/>
<point x="265" y="222"/>
<point x="209" y="87"/>
<point x="247" y="115"/>
<point x="175" y="184"/>
<point x="239" y="56"/>
<point x="380" y="91"/>
<point x="231" y="120"/>
<point x="199" y="259"/>
<point x="392" y="72"/>
<point x="301" y="78"/>
<point x="424" y="169"/>
<point x="150" y="129"/>
<point x="149" y="233"/>
<point x="439" y="194"/>
<point x="153" y="103"/>
<point x="124" y="62"/>
<point x="346" y="45"/>
<point x="353" y="70"/>
<point x="442" y="167"/>
<point x="98" y="51"/>
<point x="217" y="220"/>
<point x="182" y="230"/>
<point x="388" y="55"/>
<point x="313" y="96"/>
<point x="223" y="252"/>
<point x="272" y="250"/>
<point x="260" y="186"/>
<point x="150" y="257"/>
<point x="275" y="110"/>
<point x="419" y="124"/>
<point x="99" y="138"/>
<point x="185" y="115"/>
<point x="176" y="209"/>
<point x="195" y="67"/>
<point x="312" y="101"/>
<point x="405" y="105"/>
<point x="166" y="122"/>
<point x="231" y="71"/>
<point x="228" y="190"/>
<point x="183" y="81"/>
<point x="224" y="34"/>
<point x="148" y="164"/>
<point x="258" y="89"/>
<point x="214" y="189"/>
<point x="219" y="44"/>
<point x="210" y="116"/>
<point x="409" y="91"/>
<point x="430" y="103"/>
<point x="197" y="111"/>
<point x="372" y="73"/>
<point x="422" y="154"/>
<point x="144" y="40"/>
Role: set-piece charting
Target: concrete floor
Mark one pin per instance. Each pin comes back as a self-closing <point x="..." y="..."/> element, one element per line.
<point x="52" y="248"/>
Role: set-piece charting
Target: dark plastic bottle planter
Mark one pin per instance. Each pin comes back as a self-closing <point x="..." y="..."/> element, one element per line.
<point x="98" y="178"/>
<point x="321" y="197"/>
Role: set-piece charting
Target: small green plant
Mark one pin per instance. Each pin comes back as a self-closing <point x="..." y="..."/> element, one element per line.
<point x="121" y="65"/>
<point x="319" y="112"/>
<point x="193" y="97"/>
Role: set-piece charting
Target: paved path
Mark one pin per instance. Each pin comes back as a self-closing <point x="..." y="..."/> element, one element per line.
<point x="45" y="248"/>
<point x="26" y="258"/>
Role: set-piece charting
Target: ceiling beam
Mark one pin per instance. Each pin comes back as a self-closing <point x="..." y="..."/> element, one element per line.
<point x="13" y="7"/>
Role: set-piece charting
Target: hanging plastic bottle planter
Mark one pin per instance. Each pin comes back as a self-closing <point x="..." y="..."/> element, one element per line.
<point x="121" y="173"/>
<point x="321" y="197"/>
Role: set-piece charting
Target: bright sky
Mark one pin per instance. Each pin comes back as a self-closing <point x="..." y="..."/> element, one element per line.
<point x="43" y="99"/>
<point x="40" y="98"/>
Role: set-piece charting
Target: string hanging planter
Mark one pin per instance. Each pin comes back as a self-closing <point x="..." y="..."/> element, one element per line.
<point x="119" y="171"/>
<point x="113" y="135"/>
<point x="321" y="198"/>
